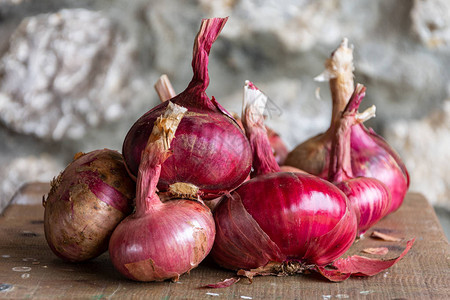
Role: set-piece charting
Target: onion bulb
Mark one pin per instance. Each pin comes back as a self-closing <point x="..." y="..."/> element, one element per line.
<point x="86" y="202"/>
<point x="161" y="240"/>
<point x="283" y="219"/>
<point x="211" y="155"/>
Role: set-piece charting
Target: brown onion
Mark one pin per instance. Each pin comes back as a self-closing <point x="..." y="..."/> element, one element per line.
<point x="86" y="202"/>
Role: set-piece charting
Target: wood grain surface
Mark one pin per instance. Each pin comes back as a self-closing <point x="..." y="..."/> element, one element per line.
<point x="28" y="269"/>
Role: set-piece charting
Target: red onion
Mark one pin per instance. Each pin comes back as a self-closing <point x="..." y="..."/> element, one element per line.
<point x="211" y="153"/>
<point x="370" y="198"/>
<point x="371" y="155"/>
<point x="286" y="219"/>
<point x="86" y="202"/>
<point x="281" y="218"/>
<point x="159" y="240"/>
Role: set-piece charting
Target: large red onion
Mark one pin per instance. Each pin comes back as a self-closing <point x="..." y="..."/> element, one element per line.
<point x="370" y="198"/>
<point x="159" y="240"/>
<point x="371" y="155"/>
<point x="86" y="202"/>
<point x="281" y="218"/>
<point x="286" y="219"/>
<point x="210" y="153"/>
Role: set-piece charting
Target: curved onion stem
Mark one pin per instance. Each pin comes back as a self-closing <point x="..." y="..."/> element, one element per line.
<point x="207" y="35"/>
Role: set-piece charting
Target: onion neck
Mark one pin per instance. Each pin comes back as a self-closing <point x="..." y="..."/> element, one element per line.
<point x="339" y="72"/>
<point x="208" y="33"/>
<point x="254" y="104"/>
<point x="154" y="155"/>
<point x="146" y="197"/>
<point x="264" y="161"/>
<point x="341" y="90"/>
<point x="340" y="160"/>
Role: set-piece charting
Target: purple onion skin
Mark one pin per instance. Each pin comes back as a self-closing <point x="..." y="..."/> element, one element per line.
<point x="282" y="217"/>
<point x="210" y="150"/>
<point x="86" y="202"/>
<point x="369" y="198"/>
<point x="372" y="157"/>
<point x="172" y="239"/>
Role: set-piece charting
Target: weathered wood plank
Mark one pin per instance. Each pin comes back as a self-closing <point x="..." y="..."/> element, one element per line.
<point x="29" y="269"/>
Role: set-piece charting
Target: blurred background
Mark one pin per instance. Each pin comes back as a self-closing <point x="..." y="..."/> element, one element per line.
<point x="75" y="75"/>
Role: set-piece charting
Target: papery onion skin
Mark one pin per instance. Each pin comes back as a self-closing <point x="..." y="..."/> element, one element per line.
<point x="264" y="157"/>
<point x="161" y="240"/>
<point x="373" y="157"/>
<point x="371" y="154"/>
<point x="280" y="217"/>
<point x="210" y="151"/>
<point x="86" y="202"/>
<point x="364" y="195"/>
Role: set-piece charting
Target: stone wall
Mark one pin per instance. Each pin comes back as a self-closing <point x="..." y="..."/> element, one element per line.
<point x="74" y="75"/>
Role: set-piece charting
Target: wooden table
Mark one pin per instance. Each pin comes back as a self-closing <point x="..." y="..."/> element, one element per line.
<point x="28" y="269"/>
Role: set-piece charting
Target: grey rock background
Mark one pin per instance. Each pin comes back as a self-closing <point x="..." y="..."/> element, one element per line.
<point x="75" y="75"/>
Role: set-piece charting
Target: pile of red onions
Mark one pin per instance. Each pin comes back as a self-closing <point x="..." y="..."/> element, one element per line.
<point x="210" y="154"/>
<point x="161" y="240"/>
<point x="371" y="155"/>
<point x="369" y="197"/>
<point x="86" y="202"/>
<point x="267" y="219"/>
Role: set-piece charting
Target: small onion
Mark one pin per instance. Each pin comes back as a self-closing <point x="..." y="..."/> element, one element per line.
<point x="86" y="202"/>
<point x="370" y="198"/>
<point x="161" y="240"/>
<point x="211" y="153"/>
<point x="371" y="155"/>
